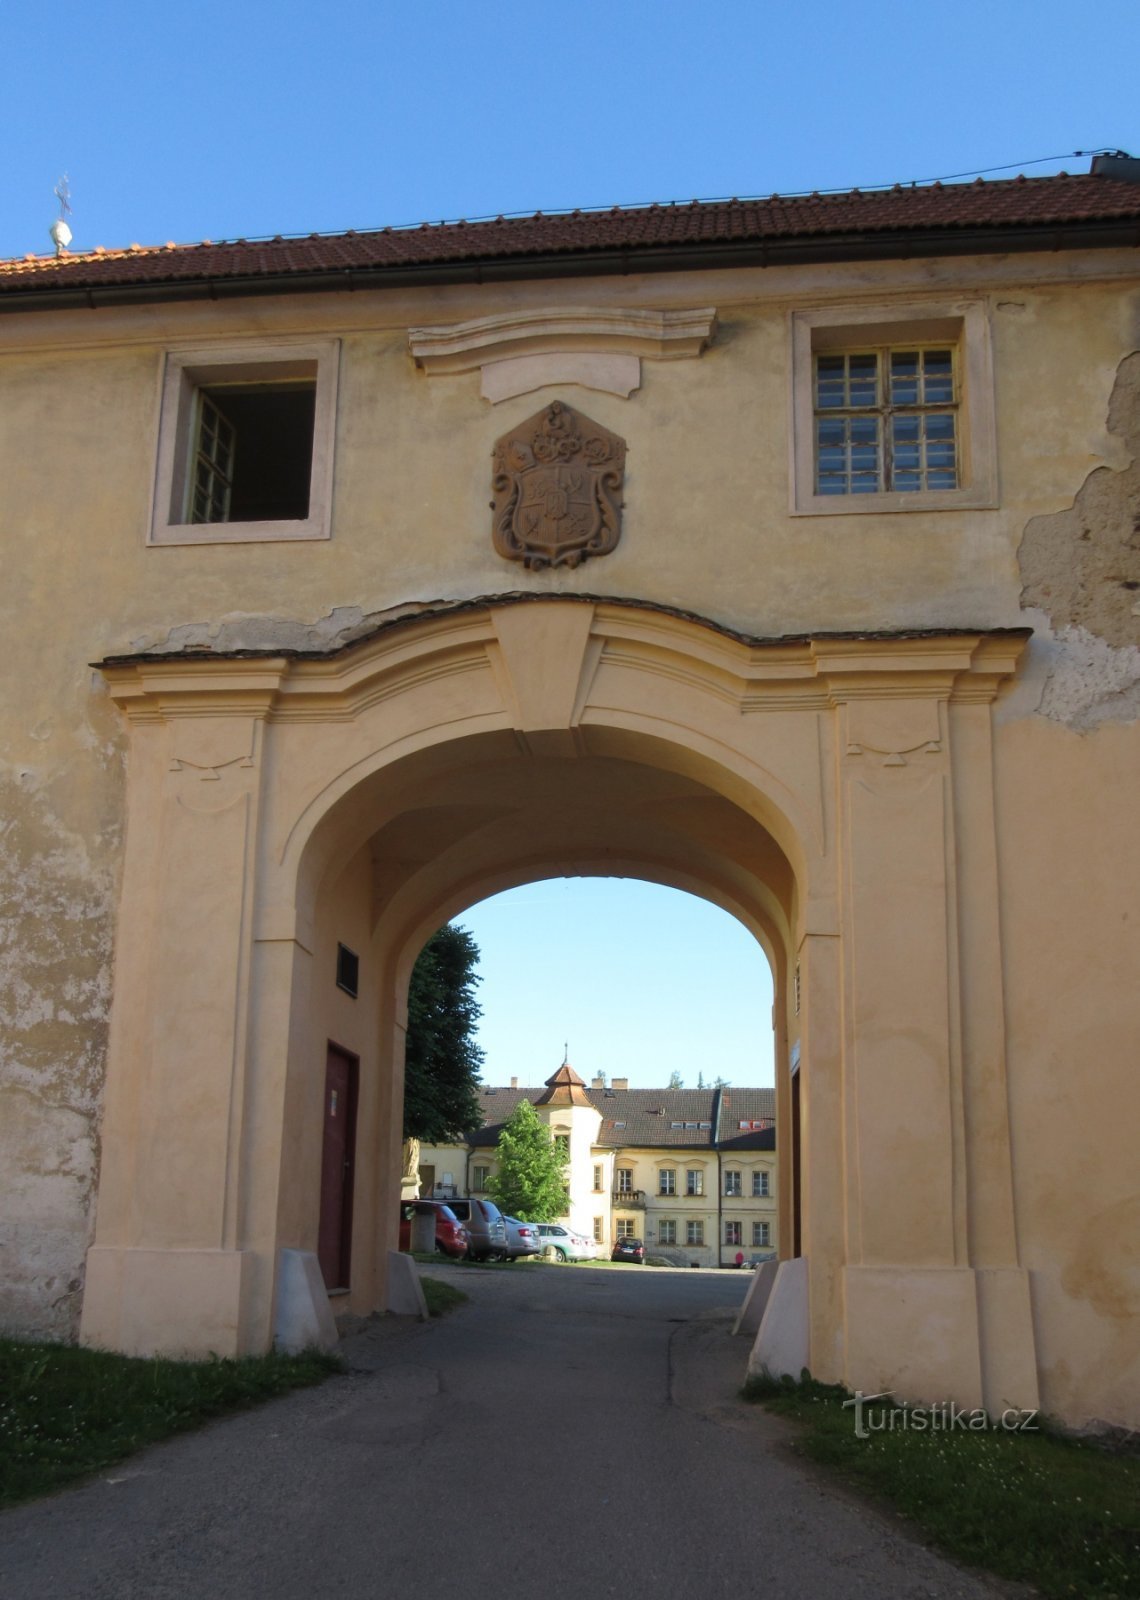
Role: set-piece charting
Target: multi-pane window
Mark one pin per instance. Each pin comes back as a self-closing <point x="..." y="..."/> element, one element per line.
<point x="733" y="1232"/>
<point x="625" y="1227"/>
<point x="694" y="1233"/>
<point x="732" y="1183"/>
<point x="597" y="1177"/>
<point x="761" y="1233"/>
<point x="598" y="1229"/>
<point x="886" y="419"/>
<point x="760" y="1185"/>
<point x="667" y="1231"/>
<point x="212" y="483"/>
<point x="667" y="1180"/>
<point x="479" y="1176"/>
<point x="624" y="1180"/>
<point x="694" y="1181"/>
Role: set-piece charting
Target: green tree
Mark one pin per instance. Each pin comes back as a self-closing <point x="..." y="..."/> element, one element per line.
<point x="442" y="1060"/>
<point x="531" y="1181"/>
<point x="675" y="1081"/>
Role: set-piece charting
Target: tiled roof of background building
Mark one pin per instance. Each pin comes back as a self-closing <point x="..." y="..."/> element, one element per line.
<point x="648" y="235"/>
<point x="682" y="1118"/>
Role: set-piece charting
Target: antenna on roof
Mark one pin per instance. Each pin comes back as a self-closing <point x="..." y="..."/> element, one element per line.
<point x="59" y="232"/>
<point x="566" y="1054"/>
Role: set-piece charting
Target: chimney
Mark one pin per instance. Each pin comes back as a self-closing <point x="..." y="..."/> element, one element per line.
<point x="598" y="1083"/>
<point x="514" y="1083"/>
<point x="621" y="1083"/>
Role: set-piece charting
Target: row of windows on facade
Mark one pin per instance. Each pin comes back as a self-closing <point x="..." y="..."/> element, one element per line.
<point x="239" y="436"/>
<point x="694" y="1231"/>
<point x="666" y="1181"/>
<point x="884" y="420"/>
<point x="694" y="1181"/>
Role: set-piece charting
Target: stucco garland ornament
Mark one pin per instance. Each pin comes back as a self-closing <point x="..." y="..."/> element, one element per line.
<point x="557" y="484"/>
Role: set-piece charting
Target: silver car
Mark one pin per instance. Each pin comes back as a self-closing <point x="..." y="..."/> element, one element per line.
<point x="567" y="1246"/>
<point x="486" y="1230"/>
<point x="522" y="1238"/>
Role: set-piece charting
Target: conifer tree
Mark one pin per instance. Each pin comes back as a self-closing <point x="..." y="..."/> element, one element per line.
<point x="441" y="1059"/>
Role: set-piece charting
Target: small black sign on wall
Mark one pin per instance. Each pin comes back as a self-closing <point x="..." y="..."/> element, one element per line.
<point x="347" y="970"/>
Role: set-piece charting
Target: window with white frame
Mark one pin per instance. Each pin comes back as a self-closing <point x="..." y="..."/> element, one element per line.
<point x="732" y="1184"/>
<point x="892" y="409"/>
<point x="597" y="1177"/>
<point x="886" y="419"/>
<point x="761" y="1233"/>
<point x="245" y="445"/>
<point x="598" y="1229"/>
<point x="667" y="1231"/>
<point x="624" y="1180"/>
<point x="760" y="1185"/>
<point x="733" y="1232"/>
<point x="694" y="1181"/>
<point x="479" y="1177"/>
<point x="626" y="1228"/>
<point x="667" y="1180"/>
<point x="694" y="1233"/>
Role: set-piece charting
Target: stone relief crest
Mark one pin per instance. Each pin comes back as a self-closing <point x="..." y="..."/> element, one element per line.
<point x="557" y="484"/>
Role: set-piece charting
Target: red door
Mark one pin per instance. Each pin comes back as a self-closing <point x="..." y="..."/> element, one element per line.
<point x="334" y="1243"/>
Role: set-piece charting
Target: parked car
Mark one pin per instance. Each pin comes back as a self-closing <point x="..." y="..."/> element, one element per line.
<point x="566" y="1245"/>
<point x="450" y="1234"/>
<point x="522" y="1238"/>
<point x="486" y="1230"/>
<point x="628" y="1250"/>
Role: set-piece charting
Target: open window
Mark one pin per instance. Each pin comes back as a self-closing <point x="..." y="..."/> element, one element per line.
<point x="246" y="445"/>
<point x="892" y="410"/>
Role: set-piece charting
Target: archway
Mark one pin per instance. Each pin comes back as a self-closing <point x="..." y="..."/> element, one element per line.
<point x="828" y="792"/>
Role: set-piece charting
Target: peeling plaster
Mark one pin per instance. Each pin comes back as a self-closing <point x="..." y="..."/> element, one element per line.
<point x="1081" y="566"/>
<point x="56" y="919"/>
<point x="240" y="630"/>
<point x="1080" y="571"/>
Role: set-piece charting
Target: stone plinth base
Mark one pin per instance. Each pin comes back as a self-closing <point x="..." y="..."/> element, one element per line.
<point x="187" y="1304"/>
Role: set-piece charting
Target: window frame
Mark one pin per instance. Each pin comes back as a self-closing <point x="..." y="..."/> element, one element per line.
<point x="694" y="1182"/>
<point x="671" y="1224"/>
<point x="623" y="1180"/>
<point x="733" y="1184"/>
<point x="963" y="327"/>
<point x="733" y="1232"/>
<point x="185" y="374"/>
<point x="761" y="1235"/>
<point x="478" y="1187"/>
<point x="761" y="1185"/>
<point x="695" y="1233"/>
<point x="667" y="1181"/>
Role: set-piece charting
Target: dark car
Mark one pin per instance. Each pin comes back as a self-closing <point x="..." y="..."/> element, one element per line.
<point x="486" y="1231"/>
<point x="450" y="1234"/>
<point x="628" y="1250"/>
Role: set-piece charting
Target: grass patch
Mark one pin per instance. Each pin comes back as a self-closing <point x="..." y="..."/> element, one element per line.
<point x="1040" y="1507"/>
<point x="67" y="1412"/>
<point x="441" y="1297"/>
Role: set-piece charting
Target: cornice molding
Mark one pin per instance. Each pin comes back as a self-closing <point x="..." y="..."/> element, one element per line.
<point x="485" y="342"/>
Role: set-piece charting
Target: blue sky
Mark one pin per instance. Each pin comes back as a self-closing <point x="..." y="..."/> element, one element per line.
<point x="246" y="118"/>
<point x="639" y="980"/>
<point x="242" y="118"/>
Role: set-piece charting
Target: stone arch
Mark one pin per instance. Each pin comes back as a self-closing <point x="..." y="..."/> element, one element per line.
<point x="818" y="787"/>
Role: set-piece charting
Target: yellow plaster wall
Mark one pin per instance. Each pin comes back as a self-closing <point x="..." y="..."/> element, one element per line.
<point x="706" y="528"/>
<point x="1070" y="873"/>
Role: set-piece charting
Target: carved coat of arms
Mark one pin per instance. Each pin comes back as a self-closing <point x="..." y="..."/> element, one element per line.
<point x="557" y="485"/>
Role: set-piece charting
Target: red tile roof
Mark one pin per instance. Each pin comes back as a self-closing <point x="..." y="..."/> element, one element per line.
<point x="1056" y="210"/>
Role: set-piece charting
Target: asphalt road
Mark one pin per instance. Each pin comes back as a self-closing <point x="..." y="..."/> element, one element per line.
<point x="573" y="1431"/>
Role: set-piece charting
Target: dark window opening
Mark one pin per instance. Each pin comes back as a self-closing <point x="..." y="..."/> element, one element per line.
<point x="252" y="453"/>
<point x="347" y="970"/>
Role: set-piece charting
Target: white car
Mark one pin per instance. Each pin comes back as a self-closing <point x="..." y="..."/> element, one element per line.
<point x="566" y="1245"/>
